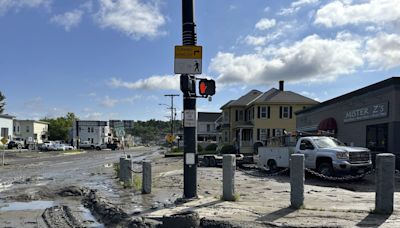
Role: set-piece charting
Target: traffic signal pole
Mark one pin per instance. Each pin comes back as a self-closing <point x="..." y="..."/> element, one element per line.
<point x="189" y="106"/>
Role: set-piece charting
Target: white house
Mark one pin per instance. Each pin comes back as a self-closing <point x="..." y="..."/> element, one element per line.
<point x="31" y="130"/>
<point x="206" y="126"/>
<point x="6" y="126"/>
<point x="96" y="132"/>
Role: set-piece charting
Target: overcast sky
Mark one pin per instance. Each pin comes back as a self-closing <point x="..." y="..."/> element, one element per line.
<point x="114" y="58"/>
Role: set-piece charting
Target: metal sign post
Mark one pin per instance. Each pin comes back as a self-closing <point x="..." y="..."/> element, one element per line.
<point x="189" y="102"/>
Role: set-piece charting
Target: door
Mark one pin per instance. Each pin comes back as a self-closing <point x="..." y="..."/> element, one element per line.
<point x="377" y="137"/>
<point x="308" y="149"/>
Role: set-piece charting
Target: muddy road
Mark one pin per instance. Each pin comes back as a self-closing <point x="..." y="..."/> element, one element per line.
<point x="31" y="182"/>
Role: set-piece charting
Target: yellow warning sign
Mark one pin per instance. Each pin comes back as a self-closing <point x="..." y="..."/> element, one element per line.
<point x="4" y="140"/>
<point x="188" y="52"/>
<point x="170" y="138"/>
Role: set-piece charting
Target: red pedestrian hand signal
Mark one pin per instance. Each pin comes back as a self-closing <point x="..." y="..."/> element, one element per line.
<point x="203" y="88"/>
<point x="206" y="87"/>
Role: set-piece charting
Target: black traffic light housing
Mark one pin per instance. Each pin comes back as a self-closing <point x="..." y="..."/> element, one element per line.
<point x="188" y="85"/>
<point x="206" y="87"/>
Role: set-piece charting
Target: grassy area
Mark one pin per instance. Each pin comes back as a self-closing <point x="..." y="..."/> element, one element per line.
<point x="72" y="152"/>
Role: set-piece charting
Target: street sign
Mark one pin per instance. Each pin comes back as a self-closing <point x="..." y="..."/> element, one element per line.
<point x="188" y="59"/>
<point x="4" y="140"/>
<point x="189" y="118"/>
<point x="119" y="129"/>
<point x="170" y="138"/>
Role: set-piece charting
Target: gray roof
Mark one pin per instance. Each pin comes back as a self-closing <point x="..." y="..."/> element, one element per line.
<point x="6" y="116"/>
<point x="276" y="96"/>
<point x="245" y="99"/>
<point x="208" y="116"/>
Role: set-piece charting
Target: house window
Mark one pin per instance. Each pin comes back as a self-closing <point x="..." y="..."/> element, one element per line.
<point x="27" y="129"/>
<point x="286" y="112"/>
<point x="236" y="115"/>
<point x="17" y="128"/>
<point x="208" y="127"/>
<point x="226" y="136"/>
<point x="88" y="139"/>
<point x="241" y="115"/>
<point x="225" y="116"/>
<point x="14" y="129"/>
<point x="263" y="112"/>
<point x="103" y="130"/>
<point x="4" y="132"/>
<point x="88" y="129"/>
<point x="263" y="134"/>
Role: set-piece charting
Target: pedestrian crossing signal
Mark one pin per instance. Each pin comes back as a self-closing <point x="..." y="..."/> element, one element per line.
<point x="206" y="87"/>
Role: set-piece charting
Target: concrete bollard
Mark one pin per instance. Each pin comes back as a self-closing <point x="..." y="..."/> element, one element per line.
<point x="297" y="180"/>
<point x="121" y="160"/>
<point x="228" y="175"/>
<point x="128" y="171"/>
<point x="146" y="178"/>
<point x="385" y="168"/>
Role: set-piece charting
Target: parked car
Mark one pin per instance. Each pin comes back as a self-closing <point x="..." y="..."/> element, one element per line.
<point x="101" y="146"/>
<point x="16" y="143"/>
<point x="48" y="146"/>
<point x="87" y="145"/>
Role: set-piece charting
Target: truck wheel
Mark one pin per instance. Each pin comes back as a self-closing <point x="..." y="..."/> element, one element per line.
<point x="19" y="146"/>
<point x="98" y="148"/>
<point x="92" y="147"/>
<point x="206" y="161"/>
<point x="213" y="163"/>
<point x="272" y="165"/>
<point x="326" y="169"/>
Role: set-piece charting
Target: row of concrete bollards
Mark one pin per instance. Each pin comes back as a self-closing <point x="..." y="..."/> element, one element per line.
<point x="384" y="195"/>
<point x="385" y="170"/>
<point x="125" y="174"/>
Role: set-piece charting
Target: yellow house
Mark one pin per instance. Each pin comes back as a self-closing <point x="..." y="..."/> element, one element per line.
<point x="256" y="116"/>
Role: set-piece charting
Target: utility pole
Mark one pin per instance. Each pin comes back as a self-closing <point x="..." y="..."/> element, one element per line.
<point x="189" y="106"/>
<point x="172" y="111"/>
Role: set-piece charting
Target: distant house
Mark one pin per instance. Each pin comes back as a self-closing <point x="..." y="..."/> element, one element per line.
<point x="256" y="116"/>
<point x="31" y="130"/>
<point x="93" y="131"/>
<point x="6" y="126"/>
<point x="206" y="126"/>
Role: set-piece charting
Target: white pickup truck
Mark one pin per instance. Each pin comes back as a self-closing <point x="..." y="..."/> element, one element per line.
<point x="326" y="155"/>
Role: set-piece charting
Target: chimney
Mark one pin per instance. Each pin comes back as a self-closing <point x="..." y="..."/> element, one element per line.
<point x="281" y="87"/>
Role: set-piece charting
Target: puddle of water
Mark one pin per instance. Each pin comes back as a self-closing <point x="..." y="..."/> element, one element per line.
<point x="87" y="215"/>
<point x="21" y="206"/>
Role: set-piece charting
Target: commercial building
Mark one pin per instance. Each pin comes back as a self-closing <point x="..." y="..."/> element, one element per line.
<point x="6" y="126"/>
<point x="368" y="117"/>
<point x="256" y="116"/>
<point x="32" y="131"/>
<point x="93" y="131"/>
<point x="207" y="127"/>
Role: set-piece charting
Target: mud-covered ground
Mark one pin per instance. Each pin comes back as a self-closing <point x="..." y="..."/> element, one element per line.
<point x="81" y="190"/>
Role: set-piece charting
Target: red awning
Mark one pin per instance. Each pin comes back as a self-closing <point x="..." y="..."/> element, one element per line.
<point x="327" y="124"/>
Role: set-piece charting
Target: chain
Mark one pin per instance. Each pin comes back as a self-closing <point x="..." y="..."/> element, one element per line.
<point x="343" y="179"/>
<point x="265" y="174"/>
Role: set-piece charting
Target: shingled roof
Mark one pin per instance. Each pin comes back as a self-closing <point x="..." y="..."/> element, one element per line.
<point x="276" y="96"/>
<point x="208" y="116"/>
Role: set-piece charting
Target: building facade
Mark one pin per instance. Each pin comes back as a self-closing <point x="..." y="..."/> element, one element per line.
<point x="92" y="131"/>
<point x="368" y="117"/>
<point x="6" y="127"/>
<point x="253" y="118"/>
<point x="32" y="131"/>
<point x="207" y="127"/>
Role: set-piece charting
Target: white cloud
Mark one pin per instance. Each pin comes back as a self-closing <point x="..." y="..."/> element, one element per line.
<point x="6" y="5"/>
<point x="339" y="13"/>
<point x="296" y="6"/>
<point x="383" y="51"/>
<point x="93" y="116"/>
<point x="110" y="102"/>
<point x="312" y="59"/>
<point x="166" y="82"/>
<point x="255" y="40"/>
<point x="68" y="19"/>
<point x="136" y="18"/>
<point x="265" y="24"/>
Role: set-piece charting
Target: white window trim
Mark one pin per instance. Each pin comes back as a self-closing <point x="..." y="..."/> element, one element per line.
<point x="283" y="112"/>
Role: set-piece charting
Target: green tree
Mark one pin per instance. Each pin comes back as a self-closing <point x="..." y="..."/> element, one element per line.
<point x="60" y="127"/>
<point x="2" y="102"/>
